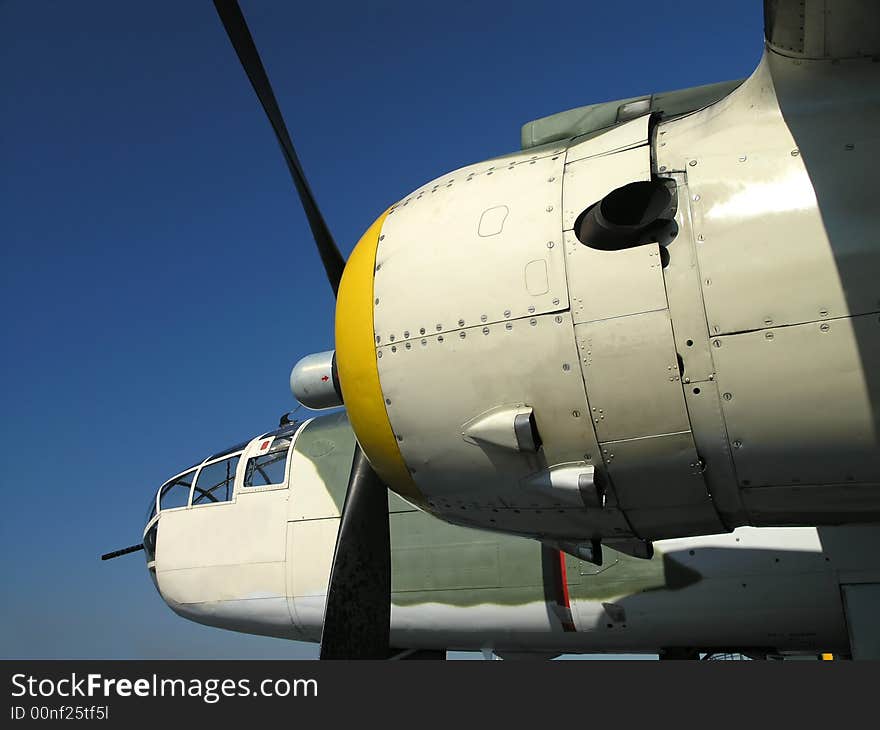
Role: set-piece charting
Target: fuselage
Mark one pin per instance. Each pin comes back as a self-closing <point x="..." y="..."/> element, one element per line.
<point x="255" y="556"/>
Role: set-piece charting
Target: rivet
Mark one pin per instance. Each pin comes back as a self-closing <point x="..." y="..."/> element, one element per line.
<point x="566" y="367"/>
<point x="708" y="282"/>
<point x="483" y="318"/>
<point x="406" y="334"/>
<point x="440" y="338"/>
<point x="824" y="326"/>
<point x="462" y="335"/>
<point x="795" y="153"/>
<point x="382" y="237"/>
<point x="768" y="321"/>
<point x="849" y="146"/>
<point x="533" y="322"/>
<point x="555" y="302"/>
<point x="576" y="414"/>
<point x="378" y="338"/>
<point x="399" y="437"/>
<point x="391" y="338"/>
<point x="549" y="208"/>
<point x="439" y="327"/>
<point x="823" y="313"/>
<point x="559" y="319"/>
<point x="737" y="444"/>
<point x="424" y="342"/>
<point x="508" y="326"/>
<point x="377" y="300"/>
<point x="408" y="345"/>
<point x="768" y="336"/>
<point x="550" y="179"/>
<point x="742" y="158"/>
<point x="485" y="330"/>
<point x="461" y="323"/>
<point x="550" y="244"/>
<point x="531" y="310"/>
<point x="728" y="396"/>
<point x="692" y="163"/>
<point x="388" y="401"/>
<point x="421" y="330"/>
<point x="379" y="354"/>
<point x="506" y="312"/>
<point x="394" y="348"/>
<point x="716" y="343"/>
<point x="696" y="197"/>
<point x="700" y="237"/>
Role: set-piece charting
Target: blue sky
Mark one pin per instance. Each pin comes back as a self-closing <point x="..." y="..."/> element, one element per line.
<point x="158" y="276"/>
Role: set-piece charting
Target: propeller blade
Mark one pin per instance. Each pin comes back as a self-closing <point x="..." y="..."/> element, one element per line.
<point x="237" y="30"/>
<point x="124" y="551"/>
<point x="357" y="619"/>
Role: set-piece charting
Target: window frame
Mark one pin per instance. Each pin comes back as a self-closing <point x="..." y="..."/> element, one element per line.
<point x="252" y="452"/>
<point x="159" y="508"/>
<point x="235" y="481"/>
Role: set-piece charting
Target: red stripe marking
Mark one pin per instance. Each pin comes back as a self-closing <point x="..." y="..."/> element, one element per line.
<point x="567" y="625"/>
<point x="563" y="579"/>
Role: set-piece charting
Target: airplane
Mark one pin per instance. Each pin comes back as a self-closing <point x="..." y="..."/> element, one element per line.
<point x="244" y="541"/>
<point x="657" y="320"/>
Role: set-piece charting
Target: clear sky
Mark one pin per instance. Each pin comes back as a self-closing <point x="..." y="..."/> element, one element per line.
<point x="158" y="275"/>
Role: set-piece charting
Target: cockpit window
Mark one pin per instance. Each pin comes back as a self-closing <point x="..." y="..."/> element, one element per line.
<point x="175" y="493"/>
<point x="268" y="468"/>
<point x="215" y="481"/>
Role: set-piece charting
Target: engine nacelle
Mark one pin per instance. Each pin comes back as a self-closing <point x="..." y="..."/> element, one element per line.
<point x="686" y="307"/>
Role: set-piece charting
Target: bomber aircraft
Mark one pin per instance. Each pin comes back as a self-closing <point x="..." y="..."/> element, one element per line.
<point x="658" y="321"/>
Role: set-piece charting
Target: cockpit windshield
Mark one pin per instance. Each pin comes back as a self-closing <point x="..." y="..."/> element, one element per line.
<point x="212" y="480"/>
<point x="215" y="481"/>
<point x="269" y="467"/>
<point x="175" y="493"/>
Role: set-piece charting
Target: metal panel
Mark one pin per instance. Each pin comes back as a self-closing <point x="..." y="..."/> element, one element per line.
<point x="713" y="447"/>
<point x="589" y="180"/>
<point x="435" y="272"/>
<point x="434" y="385"/>
<point x="830" y="504"/>
<point x="775" y="173"/>
<point x="793" y="395"/>
<point x="684" y="294"/>
<point x="862" y="604"/>
<point x="660" y="523"/>
<point x="619" y="137"/>
<point x="760" y="222"/>
<point x="605" y="284"/>
<point x="631" y="371"/>
<point x="660" y="471"/>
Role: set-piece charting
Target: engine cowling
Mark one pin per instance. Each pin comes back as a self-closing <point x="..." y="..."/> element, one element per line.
<point x="535" y="283"/>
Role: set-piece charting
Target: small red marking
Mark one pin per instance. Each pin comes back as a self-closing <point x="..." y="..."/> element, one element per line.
<point x="564" y="580"/>
<point x="265" y="445"/>
<point x="324" y="379"/>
